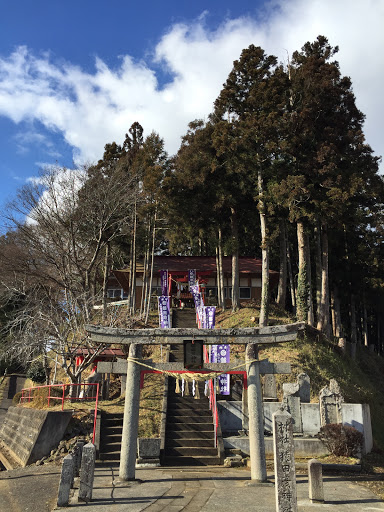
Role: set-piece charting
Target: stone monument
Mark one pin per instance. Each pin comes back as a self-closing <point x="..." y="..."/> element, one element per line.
<point x="284" y="458"/>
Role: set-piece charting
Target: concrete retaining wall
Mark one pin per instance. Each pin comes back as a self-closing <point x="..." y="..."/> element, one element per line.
<point x="31" y="434"/>
<point x="303" y="447"/>
<point x="353" y="415"/>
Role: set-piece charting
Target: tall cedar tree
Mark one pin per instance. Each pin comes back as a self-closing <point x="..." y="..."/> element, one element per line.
<point x="325" y="147"/>
<point x="248" y="128"/>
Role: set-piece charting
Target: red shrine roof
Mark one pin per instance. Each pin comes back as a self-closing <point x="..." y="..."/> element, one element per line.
<point x="205" y="265"/>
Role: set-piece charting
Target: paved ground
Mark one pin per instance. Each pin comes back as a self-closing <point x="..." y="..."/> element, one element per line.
<point x="30" y="489"/>
<point x="214" y="489"/>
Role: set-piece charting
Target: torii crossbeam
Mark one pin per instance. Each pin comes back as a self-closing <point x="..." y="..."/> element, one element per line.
<point x="251" y="337"/>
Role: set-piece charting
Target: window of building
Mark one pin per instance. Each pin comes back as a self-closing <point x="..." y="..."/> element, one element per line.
<point x="115" y="293"/>
<point x="245" y="292"/>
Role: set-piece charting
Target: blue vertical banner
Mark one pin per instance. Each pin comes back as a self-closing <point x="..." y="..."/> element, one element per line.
<point x="191" y="278"/>
<point x="220" y="354"/>
<point x="202" y="315"/>
<point x="210" y="313"/>
<point x="164" y="282"/>
<point x="164" y="312"/>
<point x="197" y="297"/>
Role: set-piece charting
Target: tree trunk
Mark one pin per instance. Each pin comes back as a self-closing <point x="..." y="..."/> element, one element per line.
<point x="291" y="280"/>
<point x="220" y="250"/>
<point x="353" y="326"/>
<point x="338" y="328"/>
<point x="133" y="282"/>
<point x="282" y="287"/>
<point x="144" y="289"/>
<point x="318" y="274"/>
<point x="151" y="273"/>
<point x="105" y="281"/>
<point x="365" y="324"/>
<point x="130" y="278"/>
<point x="302" y="280"/>
<point x="53" y="380"/>
<point x="325" y="319"/>
<point x="264" y="303"/>
<point x="310" y="318"/>
<point x="235" y="262"/>
<point x="219" y="273"/>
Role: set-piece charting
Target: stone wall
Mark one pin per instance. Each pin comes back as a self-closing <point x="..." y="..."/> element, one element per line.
<point x="353" y="415"/>
<point x="31" y="434"/>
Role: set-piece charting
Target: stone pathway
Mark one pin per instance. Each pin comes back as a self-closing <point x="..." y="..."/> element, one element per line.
<point x="214" y="489"/>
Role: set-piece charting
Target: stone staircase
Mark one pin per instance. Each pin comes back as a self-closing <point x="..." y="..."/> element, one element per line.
<point x="189" y="434"/>
<point x="183" y="318"/>
<point x="110" y="438"/>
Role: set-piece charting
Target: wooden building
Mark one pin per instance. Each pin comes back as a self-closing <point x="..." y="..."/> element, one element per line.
<point x="206" y="273"/>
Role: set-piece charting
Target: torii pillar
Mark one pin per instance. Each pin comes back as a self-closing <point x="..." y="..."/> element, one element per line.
<point x="131" y="416"/>
<point x="255" y="415"/>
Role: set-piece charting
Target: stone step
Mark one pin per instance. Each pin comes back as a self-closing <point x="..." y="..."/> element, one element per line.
<point x="207" y="418"/>
<point x="110" y="456"/>
<point x="191" y="427"/>
<point x="111" y="422"/>
<point x="110" y="438"/>
<point x="191" y="451"/>
<point x="188" y="442"/>
<point x="188" y="401"/>
<point x="184" y="411"/>
<point x="107" y="463"/>
<point x="189" y="434"/>
<point x="111" y="431"/>
<point x="192" y="461"/>
<point x="110" y="446"/>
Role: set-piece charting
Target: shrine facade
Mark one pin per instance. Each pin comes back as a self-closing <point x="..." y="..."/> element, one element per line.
<point x="206" y="274"/>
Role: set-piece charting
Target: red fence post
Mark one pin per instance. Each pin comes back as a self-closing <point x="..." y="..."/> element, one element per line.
<point x="62" y="400"/>
<point x="95" y="414"/>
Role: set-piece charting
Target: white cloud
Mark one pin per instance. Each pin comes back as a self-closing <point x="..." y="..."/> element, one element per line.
<point x="93" y="109"/>
<point x="26" y="139"/>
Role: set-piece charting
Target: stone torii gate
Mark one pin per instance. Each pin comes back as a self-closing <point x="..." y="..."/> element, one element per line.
<point x="251" y="337"/>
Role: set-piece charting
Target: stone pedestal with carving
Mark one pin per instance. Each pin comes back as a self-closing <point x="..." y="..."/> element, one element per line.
<point x="87" y="471"/>
<point x="284" y="458"/>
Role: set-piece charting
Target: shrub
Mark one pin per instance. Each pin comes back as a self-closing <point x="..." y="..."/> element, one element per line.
<point x="36" y="372"/>
<point x="341" y="440"/>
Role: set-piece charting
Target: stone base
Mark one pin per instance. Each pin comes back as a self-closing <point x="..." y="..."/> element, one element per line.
<point x="235" y="461"/>
<point x="118" y="482"/>
<point x="304" y="447"/>
<point x="148" y="462"/>
<point x="256" y="483"/>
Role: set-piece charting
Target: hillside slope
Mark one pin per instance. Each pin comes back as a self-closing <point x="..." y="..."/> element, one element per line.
<point x="361" y="380"/>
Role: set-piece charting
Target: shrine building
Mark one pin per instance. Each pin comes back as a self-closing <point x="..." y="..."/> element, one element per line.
<point x="206" y="274"/>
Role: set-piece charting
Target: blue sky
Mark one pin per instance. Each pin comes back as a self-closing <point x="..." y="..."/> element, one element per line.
<point x="75" y="75"/>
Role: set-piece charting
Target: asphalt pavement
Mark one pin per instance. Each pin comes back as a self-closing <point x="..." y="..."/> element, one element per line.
<point x="176" y="489"/>
<point x="214" y="489"/>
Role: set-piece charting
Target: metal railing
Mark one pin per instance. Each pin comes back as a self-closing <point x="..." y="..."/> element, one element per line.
<point x="82" y="393"/>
